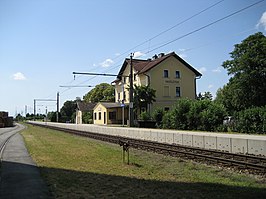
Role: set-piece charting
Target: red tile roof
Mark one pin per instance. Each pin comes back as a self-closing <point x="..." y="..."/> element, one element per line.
<point x="142" y="66"/>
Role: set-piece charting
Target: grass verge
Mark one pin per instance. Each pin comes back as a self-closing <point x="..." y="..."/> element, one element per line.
<point x="77" y="167"/>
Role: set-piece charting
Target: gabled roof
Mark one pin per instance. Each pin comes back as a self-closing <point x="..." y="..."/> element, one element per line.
<point x="109" y="104"/>
<point x="84" y="106"/>
<point x="142" y="66"/>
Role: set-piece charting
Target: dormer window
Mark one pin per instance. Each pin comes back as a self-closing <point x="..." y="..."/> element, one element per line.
<point x="165" y="74"/>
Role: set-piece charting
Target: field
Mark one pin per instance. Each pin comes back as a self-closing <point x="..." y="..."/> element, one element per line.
<point x="77" y="167"/>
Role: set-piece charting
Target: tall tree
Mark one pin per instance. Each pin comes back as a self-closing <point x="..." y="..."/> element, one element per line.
<point x="143" y="96"/>
<point x="68" y="111"/>
<point x="101" y="92"/>
<point x="247" y="86"/>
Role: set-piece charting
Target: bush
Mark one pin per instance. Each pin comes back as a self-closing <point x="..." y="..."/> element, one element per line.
<point x="252" y="120"/>
<point x="145" y="116"/>
<point x="157" y="116"/>
<point x="195" y="115"/>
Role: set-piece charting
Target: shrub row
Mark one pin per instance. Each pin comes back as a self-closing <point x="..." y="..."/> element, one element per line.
<point x="189" y="114"/>
<point x="252" y="120"/>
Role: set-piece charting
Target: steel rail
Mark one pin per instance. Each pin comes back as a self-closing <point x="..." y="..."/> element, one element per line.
<point x="13" y="132"/>
<point x="231" y="159"/>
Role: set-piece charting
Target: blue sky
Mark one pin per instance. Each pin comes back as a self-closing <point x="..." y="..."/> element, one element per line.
<point x="43" y="41"/>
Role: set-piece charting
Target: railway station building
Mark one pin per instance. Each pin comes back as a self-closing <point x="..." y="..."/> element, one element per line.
<point x="170" y="75"/>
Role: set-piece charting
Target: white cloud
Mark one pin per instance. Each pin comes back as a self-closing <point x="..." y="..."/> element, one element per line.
<point x="202" y="70"/>
<point x="19" y="76"/>
<point x="217" y="70"/>
<point x="138" y="54"/>
<point x="106" y="63"/>
<point x="210" y="86"/>
<point x="262" y="21"/>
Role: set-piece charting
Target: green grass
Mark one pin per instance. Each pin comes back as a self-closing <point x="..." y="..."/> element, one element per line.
<point x="77" y="167"/>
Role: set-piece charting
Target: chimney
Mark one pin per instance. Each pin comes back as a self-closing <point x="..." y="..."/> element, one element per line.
<point x="160" y="55"/>
<point x="154" y="57"/>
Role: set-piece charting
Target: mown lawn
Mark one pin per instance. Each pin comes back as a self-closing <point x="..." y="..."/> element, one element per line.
<point x="77" y="167"/>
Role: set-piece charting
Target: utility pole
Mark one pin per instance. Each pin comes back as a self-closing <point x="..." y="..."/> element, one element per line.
<point x="131" y="114"/>
<point x="43" y="100"/>
<point x="34" y="105"/>
<point x="57" y="110"/>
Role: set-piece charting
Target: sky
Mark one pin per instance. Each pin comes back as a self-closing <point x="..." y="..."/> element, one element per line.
<point x="42" y="42"/>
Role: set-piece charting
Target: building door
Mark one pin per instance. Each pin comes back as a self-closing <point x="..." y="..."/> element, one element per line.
<point x="104" y="117"/>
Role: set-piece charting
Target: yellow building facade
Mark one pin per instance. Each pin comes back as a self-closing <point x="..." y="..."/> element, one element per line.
<point x="168" y="74"/>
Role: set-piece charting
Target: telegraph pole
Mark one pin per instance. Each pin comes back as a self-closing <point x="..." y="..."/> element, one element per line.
<point x="131" y="114"/>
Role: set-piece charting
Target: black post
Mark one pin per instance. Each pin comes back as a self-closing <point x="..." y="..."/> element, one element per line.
<point x="57" y="110"/>
<point x="131" y="115"/>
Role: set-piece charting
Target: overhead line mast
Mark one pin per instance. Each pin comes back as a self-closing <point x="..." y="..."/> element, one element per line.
<point x="131" y="113"/>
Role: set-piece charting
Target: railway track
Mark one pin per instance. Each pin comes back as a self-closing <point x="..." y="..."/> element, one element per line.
<point x="241" y="161"/>
<point x="5" y="137"/>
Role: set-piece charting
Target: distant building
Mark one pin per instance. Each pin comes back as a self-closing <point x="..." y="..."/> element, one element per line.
<point x="171" y="77"/>
<point x="83" y="107"/>
<point x="5" y="120"/>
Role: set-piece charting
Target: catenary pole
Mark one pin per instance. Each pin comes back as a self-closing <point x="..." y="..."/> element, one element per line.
<point x="131" y="114"/>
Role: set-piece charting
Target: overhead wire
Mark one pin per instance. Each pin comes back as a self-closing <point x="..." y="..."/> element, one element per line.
<point x="159" y="34"/>
<point x="180" y="37"/>
<point x="172" y="27"/>
<point x="206" y="26"/>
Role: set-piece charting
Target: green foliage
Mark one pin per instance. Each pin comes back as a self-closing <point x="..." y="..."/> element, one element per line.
<point x="190" y="114"/>
<point x="102" y="92"/>
<point x="145" y="116"/>
<point x="212" y="117"/>
<point x="19" y="118"/>
<point x="204" y="96"/>
<point x="68" y="111"/>
<point x="52" y="116"/>
<point x="143" y="96"/>
<point x="87" y="118"/>
<point x="157" y="116"/>
<point x="247" y="86"/>
<point x="252" y="120"/>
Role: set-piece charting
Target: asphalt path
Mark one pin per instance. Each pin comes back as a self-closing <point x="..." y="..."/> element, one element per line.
<point x="20" y="177"/>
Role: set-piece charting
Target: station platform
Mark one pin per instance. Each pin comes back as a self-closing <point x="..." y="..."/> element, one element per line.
<point x="20" y="177"/>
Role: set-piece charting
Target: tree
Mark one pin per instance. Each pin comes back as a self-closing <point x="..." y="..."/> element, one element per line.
<point x="68" y="111"/>
<point x="204" y="96"/>
<point x="101" y="92"/>
<point x="143" y="96"/>
<point x="247" y="86"/>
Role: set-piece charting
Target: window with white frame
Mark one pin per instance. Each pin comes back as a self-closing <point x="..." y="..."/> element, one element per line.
<point x="165" y="73"/>
<point x="177" y="92"/>
<point x="177" y="74"/>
